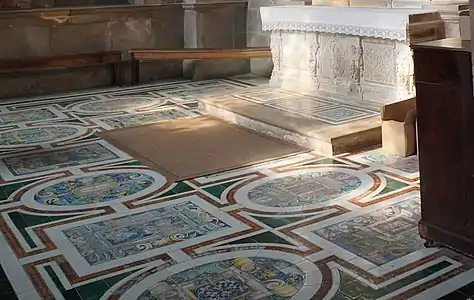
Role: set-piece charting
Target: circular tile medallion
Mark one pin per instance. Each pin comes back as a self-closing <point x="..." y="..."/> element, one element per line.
<point x="99" y="188"/>
<point x="230" y="276"/>
<point x="39" y="135"/>
<point x="117" y="104"/>
<point x="303" y="189"/>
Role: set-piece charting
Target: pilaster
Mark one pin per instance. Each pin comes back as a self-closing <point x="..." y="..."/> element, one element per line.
<point x="215" y="24"/>
<point x="256" y="37"/>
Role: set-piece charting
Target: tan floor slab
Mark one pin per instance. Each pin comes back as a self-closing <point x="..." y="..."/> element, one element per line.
<point x="188" y="148"/>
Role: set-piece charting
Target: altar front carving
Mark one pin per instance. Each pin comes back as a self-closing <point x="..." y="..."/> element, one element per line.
<point x="356" y="55"/>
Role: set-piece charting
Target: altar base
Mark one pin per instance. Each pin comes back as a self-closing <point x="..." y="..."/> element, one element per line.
<point x="353" y="55"/>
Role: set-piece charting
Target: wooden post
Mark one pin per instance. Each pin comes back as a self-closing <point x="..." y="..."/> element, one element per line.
<point x="117" y="73"/>
<point x="134" y="69"/>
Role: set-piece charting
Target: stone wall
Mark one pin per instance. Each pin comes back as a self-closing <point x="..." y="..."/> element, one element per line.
<point x="215" y="24"/>
<point x="164" y="24"/>
<point x="36" y="33"/>
<point x="258" y="38"/>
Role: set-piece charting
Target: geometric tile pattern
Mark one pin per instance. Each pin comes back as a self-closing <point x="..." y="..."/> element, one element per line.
<point x="333" y="112"/>
<point x="80" y="219"/>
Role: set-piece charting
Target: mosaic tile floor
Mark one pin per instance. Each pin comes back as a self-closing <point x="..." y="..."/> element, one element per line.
<point x="82" y="220"/>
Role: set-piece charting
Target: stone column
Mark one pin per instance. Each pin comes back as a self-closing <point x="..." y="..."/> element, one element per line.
<point x="256" y="37"/>
<point x="215" y="24"/>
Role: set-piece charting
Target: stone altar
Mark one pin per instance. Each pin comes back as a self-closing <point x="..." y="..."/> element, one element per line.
<point x="355" y="55"/>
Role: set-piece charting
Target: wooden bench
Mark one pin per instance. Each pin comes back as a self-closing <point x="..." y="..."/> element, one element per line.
<point x="112" y="58"/>
<point x="137" y="55"/>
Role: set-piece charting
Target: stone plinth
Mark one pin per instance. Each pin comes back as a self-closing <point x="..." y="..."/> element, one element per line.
<point x="355" y="55"/>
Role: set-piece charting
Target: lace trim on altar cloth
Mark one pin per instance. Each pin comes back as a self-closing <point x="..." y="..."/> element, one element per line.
<point x="391" y="34"/>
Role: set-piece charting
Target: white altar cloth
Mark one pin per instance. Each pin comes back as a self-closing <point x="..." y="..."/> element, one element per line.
<point x="387" y="23"/>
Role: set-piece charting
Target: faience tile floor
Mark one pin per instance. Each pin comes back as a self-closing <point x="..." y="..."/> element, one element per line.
<point x="82" y="220"/>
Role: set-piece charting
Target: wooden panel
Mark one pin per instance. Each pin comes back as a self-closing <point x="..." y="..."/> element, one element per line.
<point x="440" y="135"/>
<point x="445" y="109"/>
<point x="439" y="67"/>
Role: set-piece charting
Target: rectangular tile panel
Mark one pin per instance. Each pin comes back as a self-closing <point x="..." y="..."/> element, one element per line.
<point x="125" y="236"/>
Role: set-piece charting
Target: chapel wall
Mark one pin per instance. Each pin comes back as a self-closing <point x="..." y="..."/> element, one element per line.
<point x="69" y="27"/>
<point x="43" y="32"/>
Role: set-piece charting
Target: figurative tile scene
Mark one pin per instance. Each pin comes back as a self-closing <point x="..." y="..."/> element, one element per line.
<point x="81" y="219"/>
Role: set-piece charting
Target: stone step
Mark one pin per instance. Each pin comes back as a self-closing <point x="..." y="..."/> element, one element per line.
<point x="327" y="138"/>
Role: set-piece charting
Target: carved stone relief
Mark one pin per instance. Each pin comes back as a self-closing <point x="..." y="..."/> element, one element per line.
<point x="405" y="71"/>
<point x="314" y="52"/>
<point x="344" y="66"/>
<point x="275" y="46"/>
<point x="339" y="69"/>
<point x="379" y="61"/>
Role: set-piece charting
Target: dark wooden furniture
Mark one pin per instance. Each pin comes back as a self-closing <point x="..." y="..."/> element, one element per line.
<point x="112" y="58"/>
<point x="445" y="110"/>
<point x="137" y="55"/>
